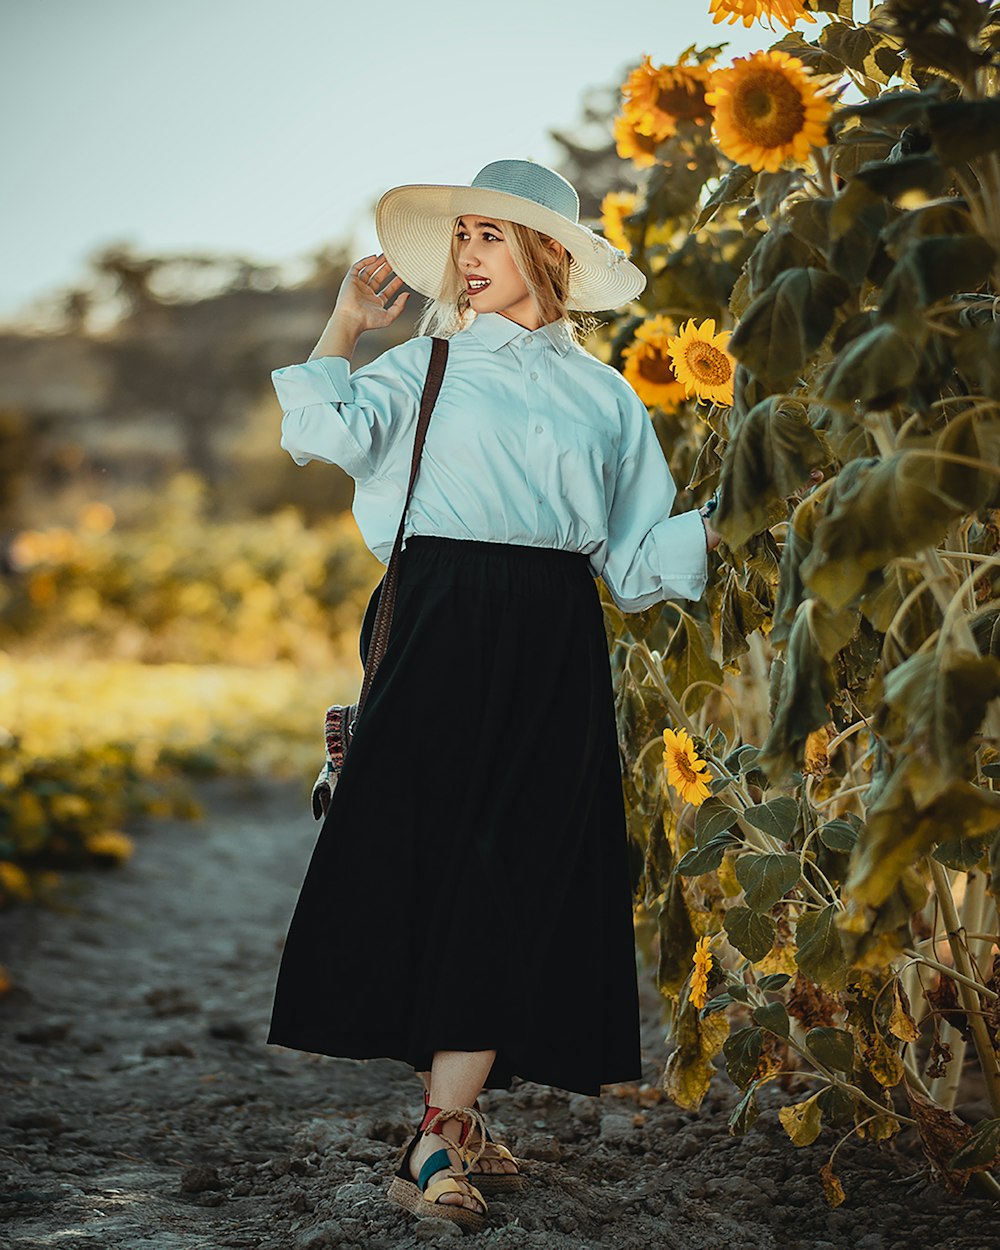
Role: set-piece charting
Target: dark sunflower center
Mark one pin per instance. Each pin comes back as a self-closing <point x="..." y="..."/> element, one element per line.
<point x="682" y="100"/>
<point x="710" y="366"/>
<point x="683" y="765"/>
<point x="657" y="367"/>
<point x="768" y="109"/>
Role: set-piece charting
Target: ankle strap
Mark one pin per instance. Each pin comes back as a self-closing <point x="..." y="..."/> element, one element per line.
<point x="435" y="1118"/>
<point x="427" y="1102"/>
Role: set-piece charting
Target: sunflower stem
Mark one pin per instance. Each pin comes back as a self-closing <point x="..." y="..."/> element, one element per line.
<point x="968" y="995"/>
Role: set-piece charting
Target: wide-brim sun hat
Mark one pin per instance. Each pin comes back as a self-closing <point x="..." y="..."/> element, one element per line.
<point x="414" y="224"/>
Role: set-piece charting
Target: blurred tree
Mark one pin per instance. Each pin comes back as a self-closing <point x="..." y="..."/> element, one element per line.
<point x="590" y="160"/>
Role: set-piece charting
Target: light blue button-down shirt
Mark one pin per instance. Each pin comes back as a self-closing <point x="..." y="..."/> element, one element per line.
<point x="532" y="440"/>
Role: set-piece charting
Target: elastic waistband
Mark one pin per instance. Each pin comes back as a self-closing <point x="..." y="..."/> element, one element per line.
<point x="475" y="548"/>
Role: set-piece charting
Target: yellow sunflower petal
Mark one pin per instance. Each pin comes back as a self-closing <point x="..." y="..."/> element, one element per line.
<point x="648" y="368"/>
<point x="788" y="12"/>
<point x="615" y="206"/>
<point x="657" y="97"/>
<point x="632" y="144"/>
<point x="767" y="111"/>
<point x="701" y="362"/>
<point x="687" y="772"/>
<point x="699" y="976"/>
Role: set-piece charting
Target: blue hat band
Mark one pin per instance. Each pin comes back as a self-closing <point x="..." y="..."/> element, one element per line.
<point x="531" y="182"/>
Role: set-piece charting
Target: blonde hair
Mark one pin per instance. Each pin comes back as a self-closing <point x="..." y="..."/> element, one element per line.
<point x="545" y="275"/>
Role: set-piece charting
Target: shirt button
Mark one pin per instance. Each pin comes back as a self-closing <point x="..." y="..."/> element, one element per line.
<point x="534" y="377"/>
<point x="538" y="429"/>
<point x="528" y="339"/>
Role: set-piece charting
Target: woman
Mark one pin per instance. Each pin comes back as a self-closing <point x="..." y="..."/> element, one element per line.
<point x="467" y="907"/>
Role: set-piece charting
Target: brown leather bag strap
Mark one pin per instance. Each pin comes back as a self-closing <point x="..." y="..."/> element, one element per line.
<point x="387" y="597"/>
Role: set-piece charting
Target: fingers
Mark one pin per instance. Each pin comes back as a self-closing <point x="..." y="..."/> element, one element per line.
<point x="374" y="263"/>
<point x="380" y="270"/>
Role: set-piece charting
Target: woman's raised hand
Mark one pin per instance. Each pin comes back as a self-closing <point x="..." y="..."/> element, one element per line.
<point x="365" y="295"/>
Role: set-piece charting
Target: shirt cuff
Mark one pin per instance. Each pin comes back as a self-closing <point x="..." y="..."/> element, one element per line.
<point x="682" y="547"/>
<point x="309" y="429"/>
<point x="321" y="381"/>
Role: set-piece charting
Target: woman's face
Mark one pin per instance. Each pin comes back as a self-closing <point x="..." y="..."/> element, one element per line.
<point x="481" y="252"/>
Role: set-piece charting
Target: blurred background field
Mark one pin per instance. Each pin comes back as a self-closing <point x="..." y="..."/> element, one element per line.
<point x="135" y="657"/>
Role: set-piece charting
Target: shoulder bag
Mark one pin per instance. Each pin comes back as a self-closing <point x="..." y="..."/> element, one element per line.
<point x="341" y="719"/>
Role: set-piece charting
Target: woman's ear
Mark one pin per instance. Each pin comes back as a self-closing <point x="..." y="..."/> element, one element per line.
<point x="556" y="248"/>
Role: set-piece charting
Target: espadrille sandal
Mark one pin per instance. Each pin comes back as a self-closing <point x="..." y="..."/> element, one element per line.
<point x="496" y="1182"/>
<point x="421" y="1198"/>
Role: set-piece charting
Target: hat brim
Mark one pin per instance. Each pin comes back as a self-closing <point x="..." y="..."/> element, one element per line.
<point x="414" y="227"/>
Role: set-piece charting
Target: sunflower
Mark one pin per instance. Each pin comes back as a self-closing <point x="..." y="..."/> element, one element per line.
<point x="631" y="144"/>
<point x="110" y="845"/>
<point x="768" y="110"/>
<point x="699" y="977"/>
<point x="788" y="12"/>
<point x="648" y="368"/>
<point x="658" y="97"/>
<point x="687" y="772"/>
<point x="13" y="880"/>
<point x="701" y="363"/>
<point x="615" y="206"/>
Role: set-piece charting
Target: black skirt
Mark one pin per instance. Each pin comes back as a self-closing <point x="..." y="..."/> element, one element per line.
<point x="469" y="888"/>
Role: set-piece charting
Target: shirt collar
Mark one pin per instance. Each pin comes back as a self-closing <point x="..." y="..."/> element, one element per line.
<point x="494" y="330"/>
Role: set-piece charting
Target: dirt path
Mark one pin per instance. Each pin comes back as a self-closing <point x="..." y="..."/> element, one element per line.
<point x="141" y="1107"/>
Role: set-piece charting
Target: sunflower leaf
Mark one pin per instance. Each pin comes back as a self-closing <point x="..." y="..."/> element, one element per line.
<point x="777" y="818"/>
<point x="771" y="452"/>
<point x="863" y="48"/>
<point x="930" y="269"/>
<point x="819" y="954"/>
<point x="752" y="934"/>
<point x="687" y="658"/>
<point x="838" y="835"/>
<point x="802" y="1121"/>
<point x="785" y="324"/>
<point x="961" y="130"/>
<point x="877" y="368"/>
<point x="742" y="1052"/>
<point x="743" y="1115"/>
<point x="702" y="859"/>
<point x="834" y="1048"/>
<point x="773" y="981"/>
<point x="766" y="878"/>
<point x="883" y="509"/>
<point x="713" y="817"/>
<point x="921" y="172"/>
<point x="735" y="185"/>
<point x="773" y="1017"/>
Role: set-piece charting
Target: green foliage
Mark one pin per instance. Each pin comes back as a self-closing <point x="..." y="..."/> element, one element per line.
<point x="841" y="676"/>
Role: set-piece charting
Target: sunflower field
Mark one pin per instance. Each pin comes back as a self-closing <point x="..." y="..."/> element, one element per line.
<point x="812" y="751"/>
<point x="135" y="658"/>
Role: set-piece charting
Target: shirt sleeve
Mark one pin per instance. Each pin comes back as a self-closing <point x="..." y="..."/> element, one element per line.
<point x="650" y="555"/>
<point x="347" y="418"/>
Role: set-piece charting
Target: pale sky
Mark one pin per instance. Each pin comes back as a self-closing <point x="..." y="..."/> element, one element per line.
<point x="271" y="127"/>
